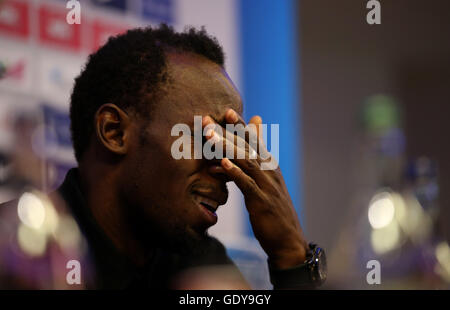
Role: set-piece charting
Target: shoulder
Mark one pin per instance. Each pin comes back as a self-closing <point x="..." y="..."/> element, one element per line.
<point x="8" y="209"/>
<point x="9" y="204"/>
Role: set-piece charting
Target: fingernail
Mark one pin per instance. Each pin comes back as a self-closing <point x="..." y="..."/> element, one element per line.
<point x="233" y="115"/>
<point x="227" y="163"/>
<point x="206" y="120"/>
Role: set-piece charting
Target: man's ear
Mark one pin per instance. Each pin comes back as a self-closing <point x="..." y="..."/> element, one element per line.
<point x="112" y="126"/>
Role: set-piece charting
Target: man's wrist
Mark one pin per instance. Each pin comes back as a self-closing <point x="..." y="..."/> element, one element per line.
<point x="309" y="274"/>
<point x="289" y="259"/>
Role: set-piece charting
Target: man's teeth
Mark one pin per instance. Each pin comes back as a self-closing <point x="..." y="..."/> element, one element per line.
<point x="207" y="202"/>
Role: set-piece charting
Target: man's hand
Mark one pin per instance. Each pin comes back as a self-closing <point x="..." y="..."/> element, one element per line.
<point x="272" y="214"/>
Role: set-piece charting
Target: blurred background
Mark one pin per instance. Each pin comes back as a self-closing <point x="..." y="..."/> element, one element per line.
<point x="362" y="113"/>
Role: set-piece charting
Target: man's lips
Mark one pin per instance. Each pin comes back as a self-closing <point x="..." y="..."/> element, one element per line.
<point x="212" y="198"/>
<point x="211" y="201"/>
<point x="208" y="203"/>
<point x="207" y="208"/>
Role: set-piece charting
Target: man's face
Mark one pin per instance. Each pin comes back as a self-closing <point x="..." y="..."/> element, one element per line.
<point x="174" y="195"/>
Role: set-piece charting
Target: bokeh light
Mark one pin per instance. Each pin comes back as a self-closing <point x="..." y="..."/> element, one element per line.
<point x="385" y="239"/>
<point x="31" y="210"/>
<point x="381" y="210"/>
<point x="31" y="241"/>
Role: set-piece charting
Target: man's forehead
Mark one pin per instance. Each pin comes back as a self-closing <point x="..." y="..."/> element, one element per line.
<point x="202" y="84"/>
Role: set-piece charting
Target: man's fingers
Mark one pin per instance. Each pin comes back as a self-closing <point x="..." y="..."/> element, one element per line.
<point x="240" y="129"/>
<point x="245" y="183"/>
<point x="247" y="154"/>
<point x="232" y="117"/>
<point x="262" y="150"/>
<point x="242" y="153"/>
<point x="257" y="121"/>
<point x="206" y="120"/>
<point x="254" y="136"/>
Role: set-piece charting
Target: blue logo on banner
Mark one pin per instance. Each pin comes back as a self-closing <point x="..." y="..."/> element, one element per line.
<point x="57" y="127"/>
<point x="120" y="5"/>
<point x="57" y="138"/>
<point x="158" y="10"/>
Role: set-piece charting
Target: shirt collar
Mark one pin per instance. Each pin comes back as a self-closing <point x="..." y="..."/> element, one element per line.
<point x="113" y="269"/>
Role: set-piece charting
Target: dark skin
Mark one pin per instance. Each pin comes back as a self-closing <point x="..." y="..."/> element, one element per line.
<point x="120" y="172"/>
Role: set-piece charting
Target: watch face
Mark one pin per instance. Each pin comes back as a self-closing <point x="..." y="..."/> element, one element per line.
<point x="318" y="265"/>
<point x="322" y="269"/>
<point x="322" y="266"/>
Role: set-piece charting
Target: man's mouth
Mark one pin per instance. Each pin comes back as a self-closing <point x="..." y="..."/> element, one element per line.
<point x="209" y="207"/>
<point x="209" y="204"/>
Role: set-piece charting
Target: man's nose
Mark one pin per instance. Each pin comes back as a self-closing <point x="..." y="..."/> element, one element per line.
<point x="216" y="170"/>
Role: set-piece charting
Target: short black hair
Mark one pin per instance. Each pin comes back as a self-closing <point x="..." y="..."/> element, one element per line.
<point x="128" y="69"/>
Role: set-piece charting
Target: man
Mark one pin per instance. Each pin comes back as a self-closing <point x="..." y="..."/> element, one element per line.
<point x="145" y="214"/>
